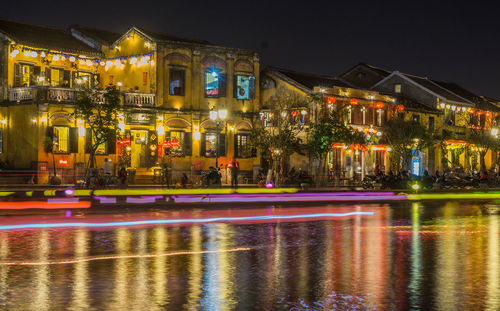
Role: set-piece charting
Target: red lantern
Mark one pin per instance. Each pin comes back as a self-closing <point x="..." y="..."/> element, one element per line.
<point x="174" y="142"/>
<point x="330" y="100"/>
<point x="379" y="105"/>
<point x="167" y="144"/>
<point x="400" y="107"/>
<point x="353" y="101"/>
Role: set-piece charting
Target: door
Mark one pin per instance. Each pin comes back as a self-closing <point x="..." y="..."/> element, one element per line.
<point x="138" y="145"/>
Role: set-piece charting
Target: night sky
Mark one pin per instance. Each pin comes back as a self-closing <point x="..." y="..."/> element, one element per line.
<point x="443" y="40"/>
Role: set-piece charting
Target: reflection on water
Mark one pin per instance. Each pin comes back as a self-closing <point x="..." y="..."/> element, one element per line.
<point x="408" y="256"/>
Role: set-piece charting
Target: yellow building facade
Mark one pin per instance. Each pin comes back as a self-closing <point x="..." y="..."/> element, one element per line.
<point x="169" y="86"/>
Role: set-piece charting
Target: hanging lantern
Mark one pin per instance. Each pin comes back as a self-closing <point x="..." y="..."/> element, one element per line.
<point x="330" y="100"/>
<point x="353" y="101"/>
<point x="379" y="105"/>
<point x="400" y="107"/>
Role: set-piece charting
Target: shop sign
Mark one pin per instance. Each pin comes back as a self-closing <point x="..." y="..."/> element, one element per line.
<point x="140" y="119"/>
<point x="63" y="162"/>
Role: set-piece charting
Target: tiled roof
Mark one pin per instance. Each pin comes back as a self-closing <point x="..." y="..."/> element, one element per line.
<point x="104" y="36"/>
<point x="412" y="105"/>
<point x="481" y="102"/>
<point x="436" y="88"/>
<point x="44" y="37"/>
<point x="309" y="80"/>
<point x="160" y="36"/>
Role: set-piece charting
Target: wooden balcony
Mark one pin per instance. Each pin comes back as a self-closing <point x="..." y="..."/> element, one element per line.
<point x="69" y="95"/>
<point x="140" y="99"/>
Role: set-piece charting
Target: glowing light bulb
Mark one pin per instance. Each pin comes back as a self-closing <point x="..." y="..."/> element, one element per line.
<point x="89" y="63"/>
<point x="109" y="63"/>
<point x="102" y="63"/>
<point x="34" y="54"/>
<point x="55" y="58"/>
<point x="133" y="60"/>
<point x="63" y="57"/>
<point x="72" y="59"/>
<point x="27" y="53"/>
<point x="43" y="54"/>
<point x="117" y="62"/>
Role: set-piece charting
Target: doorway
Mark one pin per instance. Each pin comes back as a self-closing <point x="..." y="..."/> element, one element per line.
<point x="138" y="145"/>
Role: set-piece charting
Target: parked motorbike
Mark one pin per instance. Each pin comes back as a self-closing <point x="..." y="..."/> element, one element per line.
<point x="212" y="177"/>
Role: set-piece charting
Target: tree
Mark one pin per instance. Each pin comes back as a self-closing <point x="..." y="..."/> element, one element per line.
<point x="328" y="129"/>
<point x="281" y="138"/>
<point x="485" y="141"/>
<point x="98" y="109"/>
<point x="404" y="137"/>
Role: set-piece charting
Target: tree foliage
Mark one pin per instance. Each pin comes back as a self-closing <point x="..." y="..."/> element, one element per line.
<point x="98" y="109"/>
<point x="282" y="137"/>
<point x="485" y="141"/>
<point x="404" y="137"/>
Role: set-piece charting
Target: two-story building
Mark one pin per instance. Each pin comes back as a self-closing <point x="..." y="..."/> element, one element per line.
<point x="364" y="110"/>
<point x="171" y="87"/>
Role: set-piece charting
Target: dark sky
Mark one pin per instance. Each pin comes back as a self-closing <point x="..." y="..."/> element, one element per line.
<point x="443" y="40"/>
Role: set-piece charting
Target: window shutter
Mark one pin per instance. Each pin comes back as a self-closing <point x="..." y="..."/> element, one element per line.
<point x="73" y="140"/>
<point x="236" y="149"/>
<point x="88" y="140"/>
<point x="203" y="145"/>
<point x="37" y="71"/>
<point x="222" y="145"/>
<point x="222" y="85"/>
<point x="235" y="86"/>
<point x="74" y="75"/>
<point x="112" y="145"/>
<point x="188" y="144"/>
<point x="17" y="75"/>
<point x="252" y="88"/>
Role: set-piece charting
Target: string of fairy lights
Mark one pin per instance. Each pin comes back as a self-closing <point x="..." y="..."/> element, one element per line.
<point x="119" y="61"/>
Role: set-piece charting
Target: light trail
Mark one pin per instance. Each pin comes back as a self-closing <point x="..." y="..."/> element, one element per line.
<point x="43" y="205"/>
<point x="73" y="261"/>
<point x="178" y="221"/>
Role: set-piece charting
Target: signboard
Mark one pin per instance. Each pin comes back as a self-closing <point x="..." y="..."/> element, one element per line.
<point x="140" y="119"/>
<point x="415" y="166"/>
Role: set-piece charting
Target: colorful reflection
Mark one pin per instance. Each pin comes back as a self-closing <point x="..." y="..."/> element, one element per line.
<point x="405" y="256"/>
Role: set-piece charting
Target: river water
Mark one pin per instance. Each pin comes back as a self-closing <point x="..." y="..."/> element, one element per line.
<point x="402" y="256"/>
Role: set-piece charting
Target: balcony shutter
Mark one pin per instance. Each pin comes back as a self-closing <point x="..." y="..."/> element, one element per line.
<point x="17" y="75"/>
<point x="37" y="71"/>
<point x="112" y="145"/>
<point x="48" y="75"/>
<point x="203" y="145"/>
<point x="222" y="145"/>
<point x="66" y="77"/>
<point x="73" y="140"/>
<point x="96" y="80"/>
<point x="222" y="85"/>
<point x="188" y="144"/>
<point x="252" y="88"/>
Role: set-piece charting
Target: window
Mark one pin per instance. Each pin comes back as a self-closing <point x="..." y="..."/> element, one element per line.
<point x="397" y="88"/>
<point x="61" y="139"/>
<point x="26" y="75"/>
<point x="244" y="87"/>
<point x="83" y="79"/>
<point x="210" y="145"/>
<point x="300" y="115"/>
<point x="177" y="151"/>
<point x="265" y="118"/>
<point x="215" y="84"/>
<point x="450" y="117"/>
<point x="431" y="124"/>
<point x="242" y="149"/>
<point x="101" y="149"/>
<point x="54" y="76"/>
<point x="177" y="80"/>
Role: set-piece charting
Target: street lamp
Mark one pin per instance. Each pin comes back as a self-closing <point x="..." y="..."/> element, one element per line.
<point x="217" y="116"/>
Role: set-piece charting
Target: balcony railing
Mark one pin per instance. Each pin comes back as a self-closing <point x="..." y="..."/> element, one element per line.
<point x="62" y="94"/>
<point x="21" y="93"/>
<point x="68" y="95"/>
<point x="139" y="99"/>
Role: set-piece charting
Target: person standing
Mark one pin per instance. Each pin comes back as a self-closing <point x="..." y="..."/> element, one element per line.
<point x="235" y="167"/>
<point x="122" y="178"/>
<point x="107" y="171"/>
